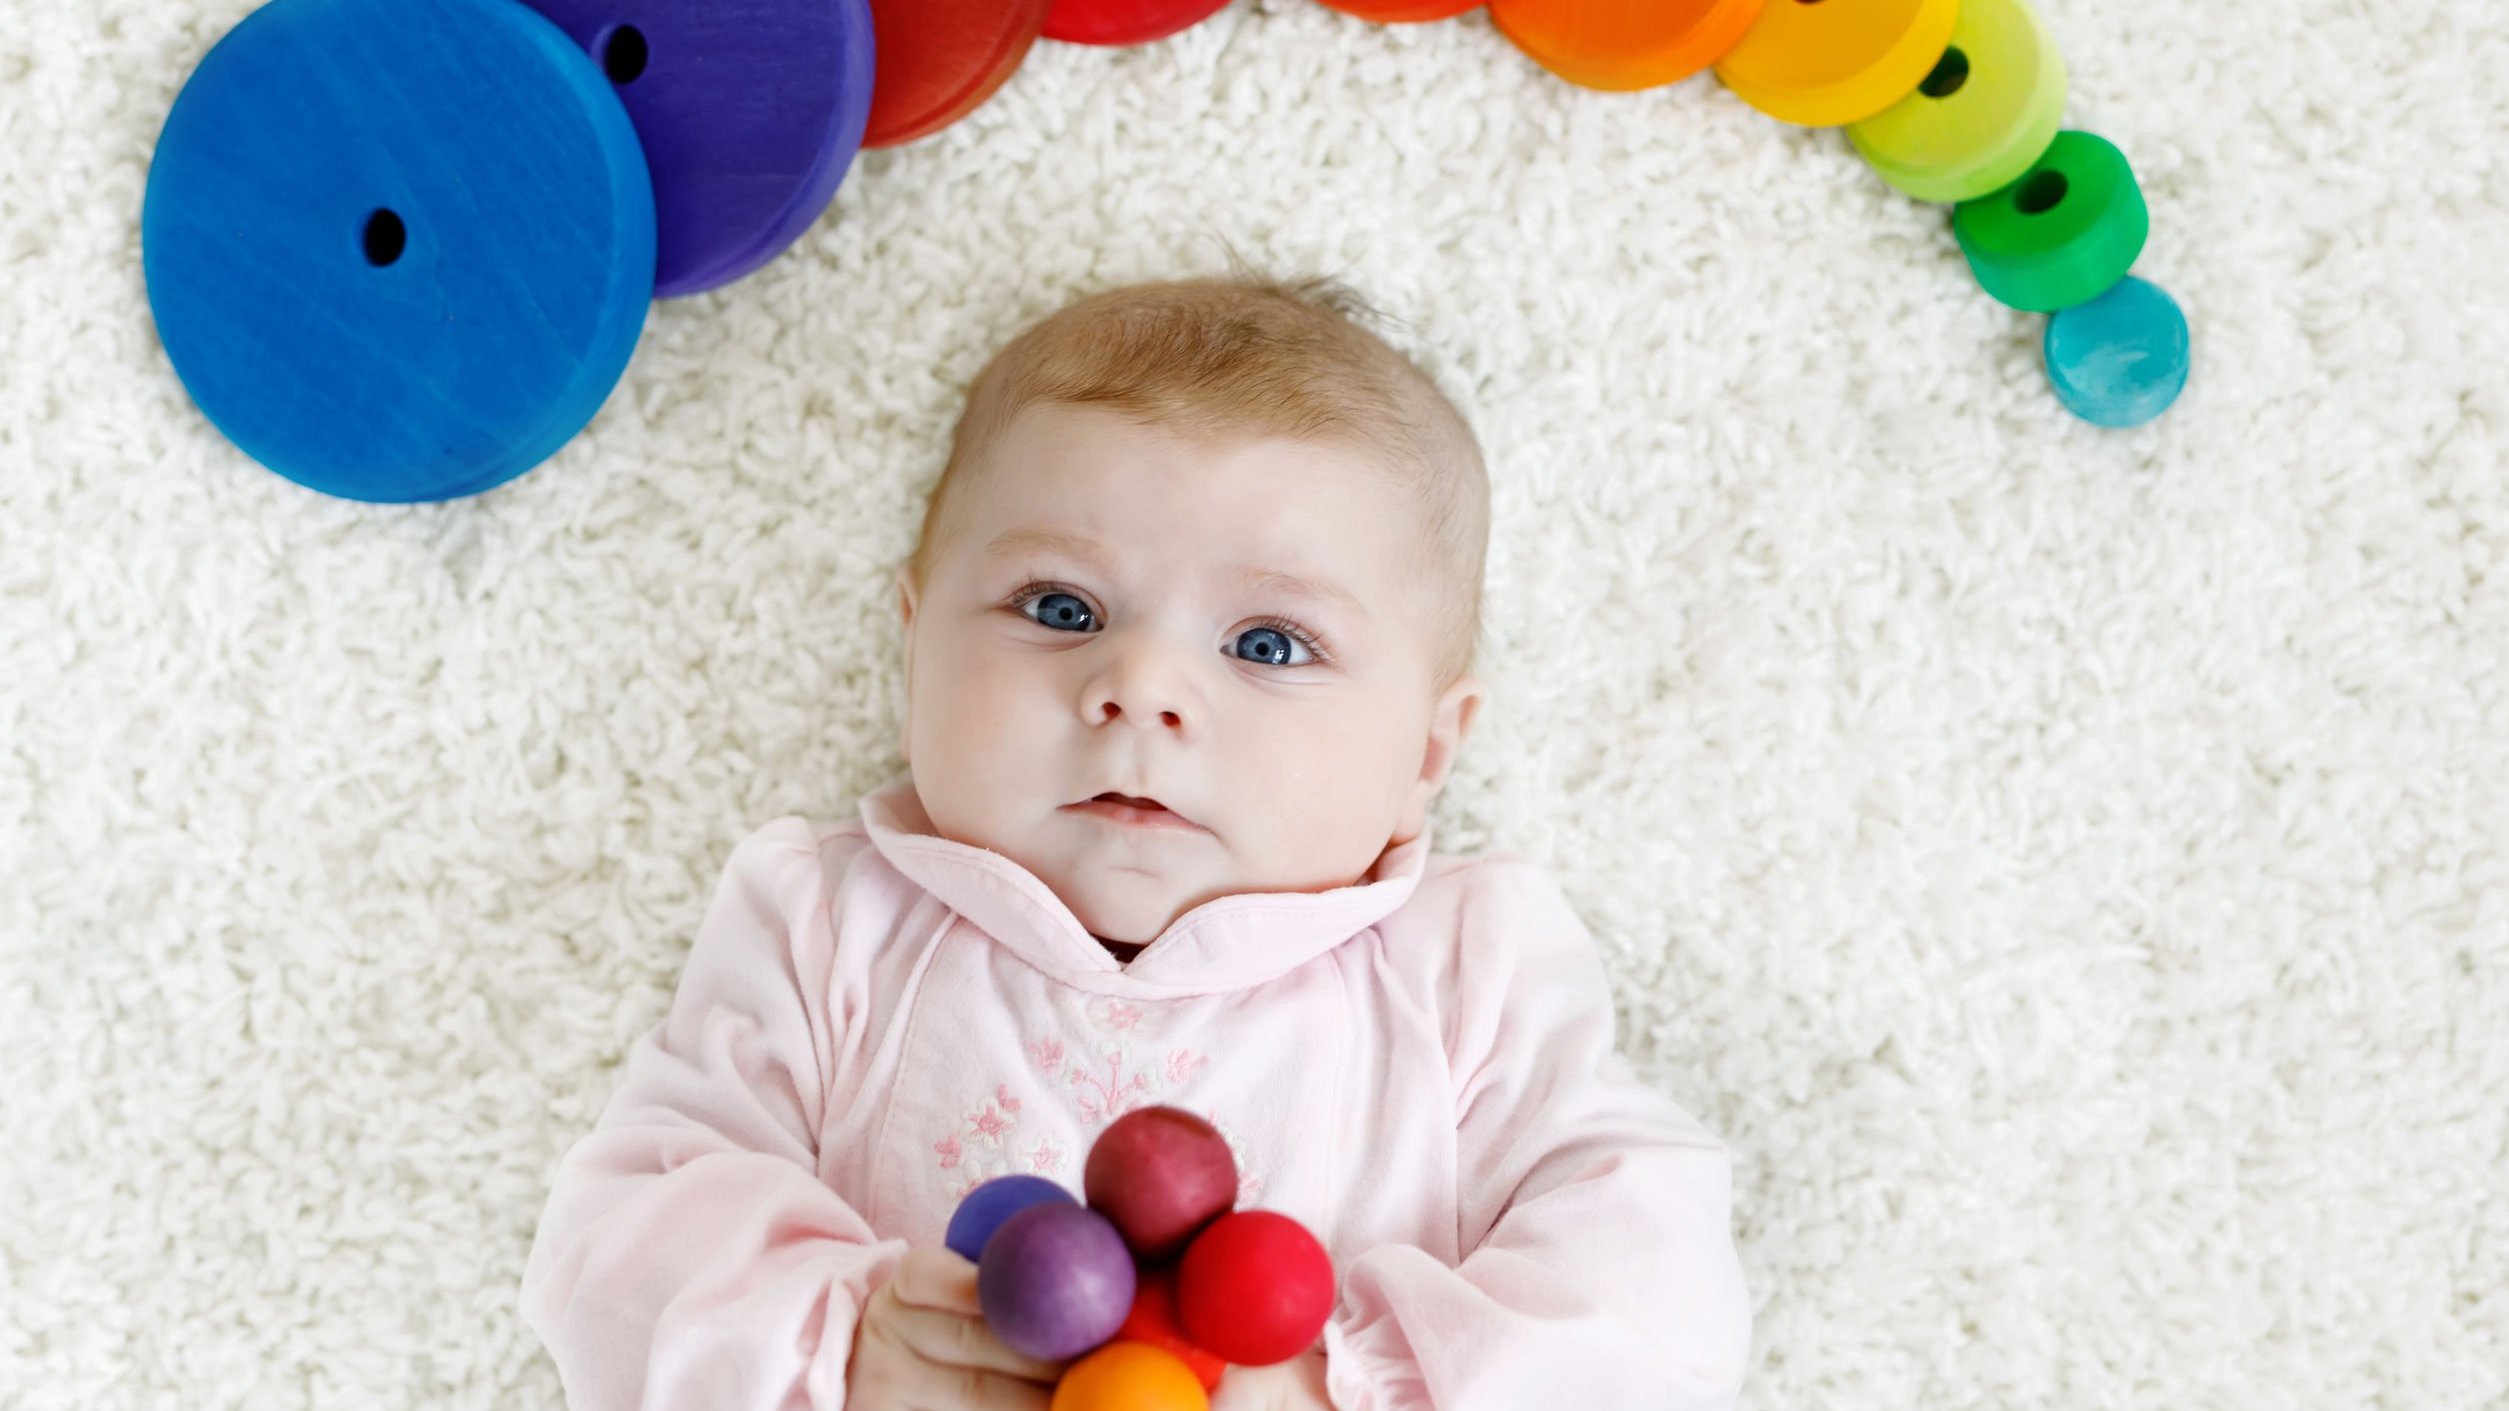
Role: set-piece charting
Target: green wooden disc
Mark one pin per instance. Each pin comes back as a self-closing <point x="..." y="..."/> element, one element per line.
<point x="1985" y="113"/>
<point x="2062" y="235"/>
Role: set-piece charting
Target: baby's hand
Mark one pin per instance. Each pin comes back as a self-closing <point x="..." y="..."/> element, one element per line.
<point x="922" y="1343"/>
<point x="1294" y="1385"/>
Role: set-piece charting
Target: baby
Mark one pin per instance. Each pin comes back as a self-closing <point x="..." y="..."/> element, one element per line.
<point x="1189" y="640"/>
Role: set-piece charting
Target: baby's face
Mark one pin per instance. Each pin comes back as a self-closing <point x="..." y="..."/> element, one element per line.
<point x="1098" y="621"/>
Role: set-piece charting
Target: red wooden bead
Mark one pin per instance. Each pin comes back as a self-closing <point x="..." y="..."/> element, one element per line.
<point x="1154" y="1320"/>
<point x="1255" y="1288"/>
<point x="1160" y="1173"/>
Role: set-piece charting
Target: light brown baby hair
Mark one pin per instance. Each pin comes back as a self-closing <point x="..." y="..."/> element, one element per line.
<point x="1249" y="355"/>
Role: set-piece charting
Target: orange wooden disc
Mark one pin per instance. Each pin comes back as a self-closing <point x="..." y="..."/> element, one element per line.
<point x="1402" y="11"/>
<point x="936" y="61"/>
<point x="1623" y="45"/>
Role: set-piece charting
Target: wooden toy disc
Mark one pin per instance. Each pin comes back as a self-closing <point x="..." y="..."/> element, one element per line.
<point x="1624" y="45"/>
<point x="398" y="250"/>
<point x="1826" y="64"/>
<point x="1125" y="21"/>
<point x="938" y="60"/>
<point x="750" y="114"/>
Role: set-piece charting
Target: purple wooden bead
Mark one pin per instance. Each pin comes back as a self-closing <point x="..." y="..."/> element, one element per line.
<point x="1056" y="1280"/>
<point x="750" y="112"/>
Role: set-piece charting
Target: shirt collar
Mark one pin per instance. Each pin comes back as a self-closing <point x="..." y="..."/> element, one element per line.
<point x="1226" y="943"/>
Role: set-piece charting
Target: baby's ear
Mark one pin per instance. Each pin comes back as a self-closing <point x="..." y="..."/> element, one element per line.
<point x="1449" y="723"/>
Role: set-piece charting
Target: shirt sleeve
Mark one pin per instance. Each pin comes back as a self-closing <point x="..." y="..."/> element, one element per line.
<point x="690" y="1257"/>
<point x="1599" y="1265"/>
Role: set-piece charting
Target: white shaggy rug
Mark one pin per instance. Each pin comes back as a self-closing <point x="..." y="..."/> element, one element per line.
<point x="2066" y="865"/>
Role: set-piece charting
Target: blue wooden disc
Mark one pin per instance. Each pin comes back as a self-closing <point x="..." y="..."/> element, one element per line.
<point x="398" y="250"/>
<point x="751" y="112"/>
<point x="2121" y="359"/>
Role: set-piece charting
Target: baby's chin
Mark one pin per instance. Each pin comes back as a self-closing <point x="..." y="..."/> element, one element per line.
<point x="1127" y="910"/>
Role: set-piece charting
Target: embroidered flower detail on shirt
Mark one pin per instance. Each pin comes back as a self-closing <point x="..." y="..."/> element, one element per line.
<point x="1112" y="1082"/>
<point x="983" y="1147"/>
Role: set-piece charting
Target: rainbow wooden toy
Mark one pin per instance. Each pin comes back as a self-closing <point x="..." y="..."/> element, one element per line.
<point x="750" y="116"/>
<point x="398" y="250"/>
<point x="1982" y="115"/>
<point x="402" y="250"/>
<point x="1624" y="45"/>
<point x="1110" y="22"/>
<point x="1202" y="1284"/>
<point x="2062" y="235"/>
<point x="1823" y="64"/>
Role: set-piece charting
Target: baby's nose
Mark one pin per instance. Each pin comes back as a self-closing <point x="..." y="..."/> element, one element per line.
<point x="1111" y="708"/>
<point x="1142" y="688"/>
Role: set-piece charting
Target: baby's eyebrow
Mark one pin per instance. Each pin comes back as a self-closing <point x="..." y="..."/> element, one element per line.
<point x="1257" y="580"/>
<point x="1265" y="581"/>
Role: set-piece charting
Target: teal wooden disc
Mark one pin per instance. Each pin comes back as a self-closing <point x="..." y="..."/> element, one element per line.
<point x="2120" y="359"/>
<point x="398" y="250"/>
<point x="2063" y="234"/>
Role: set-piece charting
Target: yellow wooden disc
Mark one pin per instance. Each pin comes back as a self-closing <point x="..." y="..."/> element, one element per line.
<point x="1821" y="63"/>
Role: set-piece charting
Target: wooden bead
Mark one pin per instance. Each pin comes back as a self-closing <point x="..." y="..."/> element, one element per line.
<point x="1980" y="117"/>
<point x="1820" y="63"/>
<point x="2120" y="359"/>
<point x="1129" y="1376"/>
<point x="1156" y="1321"/>
<point x="398" y="250"/>
<point x="1624" y="45"/>
<point x="983" y="1210"/>
<point x="1402" y="11"/>
<point x="1254" y="1288"/>
<point x="2063" y="234"/>
<point x="1112" y="22"/>
<point x="750" y="116"/>
<point x="938" y="60"/>
<point x="1055" y="1281"/>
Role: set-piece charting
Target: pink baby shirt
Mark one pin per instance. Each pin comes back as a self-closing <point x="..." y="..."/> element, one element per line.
<point x="1419" y="1067"/>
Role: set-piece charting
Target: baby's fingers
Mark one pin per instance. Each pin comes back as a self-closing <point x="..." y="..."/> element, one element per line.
<point x="954" y="1340"/>
<point x="974" y="1389"/>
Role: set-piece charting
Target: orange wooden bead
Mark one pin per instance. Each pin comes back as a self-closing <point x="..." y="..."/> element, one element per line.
<point x="1623" y="45"/>
<point x="1129" y="1376"/>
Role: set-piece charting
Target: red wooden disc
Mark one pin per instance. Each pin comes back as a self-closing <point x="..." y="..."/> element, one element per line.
<point x="936" y="61"/>
<point x="1126" y="21"/>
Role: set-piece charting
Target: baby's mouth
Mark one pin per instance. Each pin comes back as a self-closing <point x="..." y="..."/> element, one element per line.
<point x="1129" y="808"/>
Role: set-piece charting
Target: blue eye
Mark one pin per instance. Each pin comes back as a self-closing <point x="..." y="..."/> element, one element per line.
<point x="1270" y="646"/>
<point x="1062" y="612"/>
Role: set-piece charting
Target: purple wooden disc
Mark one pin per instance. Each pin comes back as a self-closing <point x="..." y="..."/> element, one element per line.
<point x="750" y="112"/>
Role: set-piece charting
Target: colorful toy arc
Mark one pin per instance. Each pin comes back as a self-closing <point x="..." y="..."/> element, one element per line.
<point x="1158" y="1283"/>
<point x="402" y="250"/>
